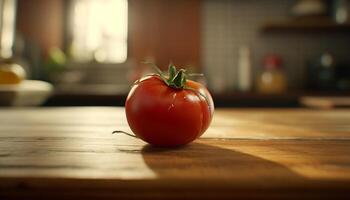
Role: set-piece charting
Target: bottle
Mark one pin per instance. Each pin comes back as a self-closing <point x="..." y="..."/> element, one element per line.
<point x="272" y="80"/>
<point x="321" y="73"/>
<point x="244" y="69"/>
<point x="340" y="11"/>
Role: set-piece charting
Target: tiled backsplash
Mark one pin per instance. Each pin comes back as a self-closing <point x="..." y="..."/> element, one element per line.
<point x="229" y="24"/>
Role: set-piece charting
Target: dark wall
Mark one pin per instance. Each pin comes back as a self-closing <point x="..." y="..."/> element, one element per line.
<point x="41" y="22"/>
<point x="165" y="30"/>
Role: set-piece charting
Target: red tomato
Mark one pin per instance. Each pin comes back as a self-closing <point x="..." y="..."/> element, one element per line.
<point x="165" y="116"/>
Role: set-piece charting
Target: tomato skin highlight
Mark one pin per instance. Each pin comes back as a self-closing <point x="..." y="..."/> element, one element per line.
<point x="167" y="117"/>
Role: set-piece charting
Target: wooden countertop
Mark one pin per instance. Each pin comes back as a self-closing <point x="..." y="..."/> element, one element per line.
<point x="66" y="153"/>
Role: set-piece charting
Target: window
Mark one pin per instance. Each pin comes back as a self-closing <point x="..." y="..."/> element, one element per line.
<point x="7" y="27"/>
<point x="99" y="30"/>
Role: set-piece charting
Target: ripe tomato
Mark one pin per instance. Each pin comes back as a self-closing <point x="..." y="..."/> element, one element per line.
<point x="168" y="111"/>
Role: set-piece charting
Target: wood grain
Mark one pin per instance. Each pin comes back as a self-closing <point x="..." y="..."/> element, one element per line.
<point x="70" y="153"/>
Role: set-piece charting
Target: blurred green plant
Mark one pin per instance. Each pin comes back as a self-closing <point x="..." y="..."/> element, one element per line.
<point x="54" y="64"/>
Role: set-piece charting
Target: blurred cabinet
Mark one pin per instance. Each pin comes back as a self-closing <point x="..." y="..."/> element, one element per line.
<point x="164" y="31"/>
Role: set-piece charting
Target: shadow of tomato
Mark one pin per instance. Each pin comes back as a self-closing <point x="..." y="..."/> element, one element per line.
<point x="204" y="171"/>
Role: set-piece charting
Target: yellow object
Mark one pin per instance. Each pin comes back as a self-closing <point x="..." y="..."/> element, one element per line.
<point x="272" y="82"/>
<point x="11" y="74"/>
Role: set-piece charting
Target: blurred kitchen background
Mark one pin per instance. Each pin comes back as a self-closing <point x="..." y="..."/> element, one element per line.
<point x="253" y="53"/>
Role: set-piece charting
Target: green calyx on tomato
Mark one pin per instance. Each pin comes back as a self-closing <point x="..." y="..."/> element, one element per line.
<point x="175" y="78"/>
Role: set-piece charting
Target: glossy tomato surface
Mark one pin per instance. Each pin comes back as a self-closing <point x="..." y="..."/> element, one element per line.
<point x="168" y="117"/>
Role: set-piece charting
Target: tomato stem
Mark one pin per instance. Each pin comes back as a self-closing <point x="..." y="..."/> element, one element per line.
<point x="176" y="78"/>
<point x="179" y="80"/>
<point x="126" y="133"/>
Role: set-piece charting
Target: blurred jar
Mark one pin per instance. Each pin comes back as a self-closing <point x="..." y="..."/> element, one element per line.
<point x="11" y="73"/>
<point x="272" y="80"/>
<point x="321" y="73"/>
<point x="340" y="11"/>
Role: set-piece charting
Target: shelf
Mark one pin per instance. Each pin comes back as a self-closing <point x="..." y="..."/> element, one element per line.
<point x="252" y="99"/>
<point x="228" y="99"/>
<point x="306" y="24"/>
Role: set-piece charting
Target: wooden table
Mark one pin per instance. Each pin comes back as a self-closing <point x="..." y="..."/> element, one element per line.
<point x="70" y="153"/>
